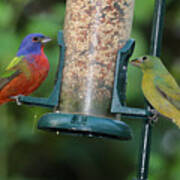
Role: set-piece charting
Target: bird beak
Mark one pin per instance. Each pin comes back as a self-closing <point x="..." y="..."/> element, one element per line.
<point x="45" y="40"/>
<point x="135" y="62"/>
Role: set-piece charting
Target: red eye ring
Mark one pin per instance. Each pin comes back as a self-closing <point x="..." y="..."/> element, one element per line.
<point x="35" y="39"/>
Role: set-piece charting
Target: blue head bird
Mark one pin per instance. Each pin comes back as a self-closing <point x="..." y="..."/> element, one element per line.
<point x="32" y="44"/>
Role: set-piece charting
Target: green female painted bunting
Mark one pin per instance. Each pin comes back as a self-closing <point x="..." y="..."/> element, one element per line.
<point x="159" y="87"/>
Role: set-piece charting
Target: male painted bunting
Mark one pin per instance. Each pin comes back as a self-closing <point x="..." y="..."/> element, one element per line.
<point x="27" y="70"/>
<point x="159" y="87"/>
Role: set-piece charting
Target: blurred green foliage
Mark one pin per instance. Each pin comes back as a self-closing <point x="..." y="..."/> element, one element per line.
<point x="29" y="154"/>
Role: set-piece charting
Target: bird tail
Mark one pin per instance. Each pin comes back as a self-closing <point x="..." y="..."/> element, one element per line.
<point x="177" y="122"/>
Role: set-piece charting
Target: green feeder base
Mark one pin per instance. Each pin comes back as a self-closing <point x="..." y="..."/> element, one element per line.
<point x="90" y="126"/>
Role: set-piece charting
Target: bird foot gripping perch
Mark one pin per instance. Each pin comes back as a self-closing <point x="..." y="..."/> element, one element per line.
<point x="153" y="116"/>
<point x="17" y="99"/>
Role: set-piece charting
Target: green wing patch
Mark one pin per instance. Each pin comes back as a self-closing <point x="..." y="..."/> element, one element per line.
<point x="15" y="67"/>
<point x="14" y="62"/>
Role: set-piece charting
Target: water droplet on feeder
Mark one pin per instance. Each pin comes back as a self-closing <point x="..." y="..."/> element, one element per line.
<point x="149" y="108"/>
<point x="124" y="68"/>
<point x="90" y="135"/>
<point x="57" y="133"/>
<point x="57" y="111"/>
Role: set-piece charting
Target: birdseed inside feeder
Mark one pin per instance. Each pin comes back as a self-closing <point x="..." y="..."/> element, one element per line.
<point x="94" y="31"/>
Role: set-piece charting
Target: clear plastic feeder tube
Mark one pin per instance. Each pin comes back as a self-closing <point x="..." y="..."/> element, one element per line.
<point x="94" y="30"/>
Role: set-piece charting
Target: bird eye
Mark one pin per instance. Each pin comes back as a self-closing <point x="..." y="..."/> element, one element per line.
<point x="35" y="39"/>
<point x="144" y="58"/>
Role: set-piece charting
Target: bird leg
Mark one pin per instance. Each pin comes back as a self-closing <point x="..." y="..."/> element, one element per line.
<point x="16" y="98"/>
<point x="153" y="118"/>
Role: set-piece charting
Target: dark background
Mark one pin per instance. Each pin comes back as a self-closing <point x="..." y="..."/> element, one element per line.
<point x="29" y="154"/>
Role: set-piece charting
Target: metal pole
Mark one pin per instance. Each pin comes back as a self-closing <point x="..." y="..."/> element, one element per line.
<point x="157" y="30"/>
<point x="156" y="39"/>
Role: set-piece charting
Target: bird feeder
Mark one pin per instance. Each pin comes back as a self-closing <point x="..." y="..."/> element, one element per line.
<point x="95" y="38"/>
<point x="90" y="88"/>
<point x="94" y="31"/>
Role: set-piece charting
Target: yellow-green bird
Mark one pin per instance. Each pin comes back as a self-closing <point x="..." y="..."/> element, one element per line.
<point x="159" y="87"/>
